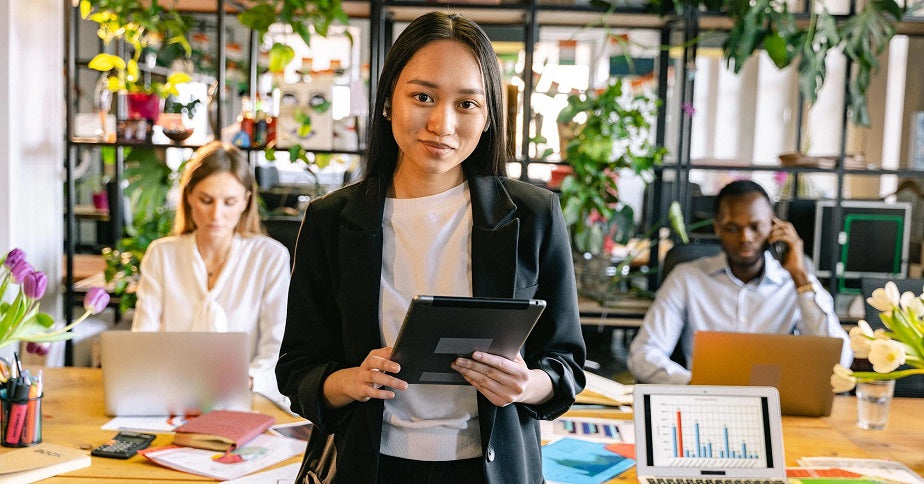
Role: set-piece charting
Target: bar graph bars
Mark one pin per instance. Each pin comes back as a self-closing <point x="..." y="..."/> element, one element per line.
<point x="695" y="434"/>
<point x="704" y="449"/>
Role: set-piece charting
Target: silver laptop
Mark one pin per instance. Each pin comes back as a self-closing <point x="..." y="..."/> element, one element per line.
<point x="175" y="373"/>
<point x="799" y="367"/>
<point x="689" y="433"/>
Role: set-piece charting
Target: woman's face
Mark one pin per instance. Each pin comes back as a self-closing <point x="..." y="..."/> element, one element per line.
<point x="438" y="113"/>
<point x="216" y="204"/>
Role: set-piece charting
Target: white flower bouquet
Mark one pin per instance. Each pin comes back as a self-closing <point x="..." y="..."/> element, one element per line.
<point x="902" y="343"/>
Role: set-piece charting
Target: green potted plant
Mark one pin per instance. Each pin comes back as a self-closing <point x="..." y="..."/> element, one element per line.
<point x="143" y="99"/>
<point x="769" y="25"/>
<point x="140" y="25"/>
<point x="611" y="131"/>
<point x="615" y="135"/>
<point x="302" y="16"/>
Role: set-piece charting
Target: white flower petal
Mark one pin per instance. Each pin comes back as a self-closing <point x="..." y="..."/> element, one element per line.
<point x="886" y="355"/>
<point x="863" y="325"/>
<point x="892" y="293"/>
<point x="915" y="306"/>
<point x="842" y="379"/>
<point x="859" y="342"/>
<point x="880" y="300"/>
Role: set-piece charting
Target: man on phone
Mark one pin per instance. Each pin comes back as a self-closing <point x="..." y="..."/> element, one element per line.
<point x="746" y="288"/>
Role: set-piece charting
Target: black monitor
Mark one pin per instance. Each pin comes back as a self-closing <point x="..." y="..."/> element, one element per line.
<point x="873" y="241"/>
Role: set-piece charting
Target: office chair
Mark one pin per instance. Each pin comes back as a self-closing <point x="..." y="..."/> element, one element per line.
<point x="685" y="253"/>
<point x="910" y="386"/>
<point x="285" y="230"/>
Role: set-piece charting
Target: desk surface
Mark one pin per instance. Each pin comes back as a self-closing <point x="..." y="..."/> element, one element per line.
<point x="74" y="411"/>
<point x="838" y="435"/>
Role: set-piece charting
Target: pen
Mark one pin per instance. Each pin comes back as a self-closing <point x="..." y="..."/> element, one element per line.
<point x="28" y="431"/>
<point x="18" y="363"/>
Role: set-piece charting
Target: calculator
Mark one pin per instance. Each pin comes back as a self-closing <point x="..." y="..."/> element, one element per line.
<point x="123" y="445"/>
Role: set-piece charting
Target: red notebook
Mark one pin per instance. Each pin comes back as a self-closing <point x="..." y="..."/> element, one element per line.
<point x="222" y="429"/>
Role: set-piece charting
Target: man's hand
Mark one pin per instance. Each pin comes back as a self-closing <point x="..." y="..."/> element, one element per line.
<point x="793" y="260"/>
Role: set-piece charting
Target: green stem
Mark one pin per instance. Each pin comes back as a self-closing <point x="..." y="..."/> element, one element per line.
<point x="65" y="329"/>
<point x="863" y="376"/>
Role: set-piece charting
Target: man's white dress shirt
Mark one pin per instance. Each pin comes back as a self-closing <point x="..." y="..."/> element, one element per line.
<point x="704" y="295"/>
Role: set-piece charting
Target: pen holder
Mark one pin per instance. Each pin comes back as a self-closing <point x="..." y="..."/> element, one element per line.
<point x="20" y="421"/>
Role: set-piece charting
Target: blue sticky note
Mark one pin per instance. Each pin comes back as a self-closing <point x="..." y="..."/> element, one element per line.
<point x="576" y="461"/>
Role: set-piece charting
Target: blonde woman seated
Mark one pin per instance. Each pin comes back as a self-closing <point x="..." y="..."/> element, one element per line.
<point x="218" y="272"/>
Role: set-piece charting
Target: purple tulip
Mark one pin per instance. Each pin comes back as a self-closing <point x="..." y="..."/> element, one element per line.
<point x="96" y="300"/>
<point x="34" y="284"/>
<point x="14" y="257"/>
<point x="40" y="349"/>
<point x="21" y="270"/>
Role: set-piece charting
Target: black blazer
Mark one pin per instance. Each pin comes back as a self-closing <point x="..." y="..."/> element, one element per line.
<point x="520" y="249"/>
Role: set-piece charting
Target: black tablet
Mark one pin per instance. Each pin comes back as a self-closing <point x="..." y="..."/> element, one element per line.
<point x="438" y="329"/>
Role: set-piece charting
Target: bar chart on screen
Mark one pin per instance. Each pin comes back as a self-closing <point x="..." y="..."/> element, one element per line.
<point x="691" y="432"/>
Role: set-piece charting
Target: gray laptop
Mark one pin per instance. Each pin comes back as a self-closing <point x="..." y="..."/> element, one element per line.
<point x="693" y="434"/>
<point x="800" y="367"/>
<point x="175" y="373"/>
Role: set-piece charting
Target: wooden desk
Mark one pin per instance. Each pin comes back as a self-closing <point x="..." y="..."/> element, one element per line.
<point x="626" y="314"/>
<point x="836" y="435"/>
<point x="73" y="411"/>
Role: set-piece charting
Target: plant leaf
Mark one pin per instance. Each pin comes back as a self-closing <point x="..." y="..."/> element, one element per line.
<point x="279" y="57"/>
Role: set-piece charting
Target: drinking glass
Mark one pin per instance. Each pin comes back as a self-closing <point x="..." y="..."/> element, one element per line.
<point x="873" y="399"/>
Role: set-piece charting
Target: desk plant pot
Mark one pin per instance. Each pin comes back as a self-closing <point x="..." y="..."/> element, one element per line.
<point x="144" y="105"/>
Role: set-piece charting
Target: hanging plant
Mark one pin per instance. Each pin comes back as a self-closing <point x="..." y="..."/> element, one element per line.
<point x="302" y="16"/>
<point x="769" y="25"/>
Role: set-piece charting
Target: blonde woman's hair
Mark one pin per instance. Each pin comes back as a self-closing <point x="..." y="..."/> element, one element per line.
<point x="217" y="157"/>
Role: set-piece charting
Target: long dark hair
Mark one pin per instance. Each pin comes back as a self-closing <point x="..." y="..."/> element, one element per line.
<point x="490" y="156"/>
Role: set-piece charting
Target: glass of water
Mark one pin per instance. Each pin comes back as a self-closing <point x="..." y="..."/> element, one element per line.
<point x="873" y="399"/>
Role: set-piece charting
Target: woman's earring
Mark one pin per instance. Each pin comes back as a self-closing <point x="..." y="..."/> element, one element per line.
<point x="386" y="110"/>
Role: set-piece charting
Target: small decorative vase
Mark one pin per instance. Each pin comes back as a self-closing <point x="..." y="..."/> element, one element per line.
<point x="146" y="106"/>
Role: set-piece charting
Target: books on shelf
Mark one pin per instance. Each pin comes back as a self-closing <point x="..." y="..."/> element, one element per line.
<point x="222" y="429"/>
<point x="41" y="461"/>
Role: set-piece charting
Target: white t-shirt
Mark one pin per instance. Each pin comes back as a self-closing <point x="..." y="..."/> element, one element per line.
<point x="249" y="295"/>
<point x="427" y="250"/>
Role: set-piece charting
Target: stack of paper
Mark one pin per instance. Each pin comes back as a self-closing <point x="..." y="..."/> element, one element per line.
<point x="261" y="452"/>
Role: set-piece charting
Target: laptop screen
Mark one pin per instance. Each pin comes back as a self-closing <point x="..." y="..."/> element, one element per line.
<point x="708" y="431"/>
<point x="705" y="430"/>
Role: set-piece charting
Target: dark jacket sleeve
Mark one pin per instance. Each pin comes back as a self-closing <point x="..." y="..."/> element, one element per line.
<point x="311" y="347"/>
<point x="556" y="344"/>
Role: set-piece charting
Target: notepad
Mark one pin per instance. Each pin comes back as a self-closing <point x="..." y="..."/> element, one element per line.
<point x="222" y="429"/>
<point x="41" y="461"/>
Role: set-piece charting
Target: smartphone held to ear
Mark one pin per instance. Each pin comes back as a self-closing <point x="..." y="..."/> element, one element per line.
<point x="778" y="250"/>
